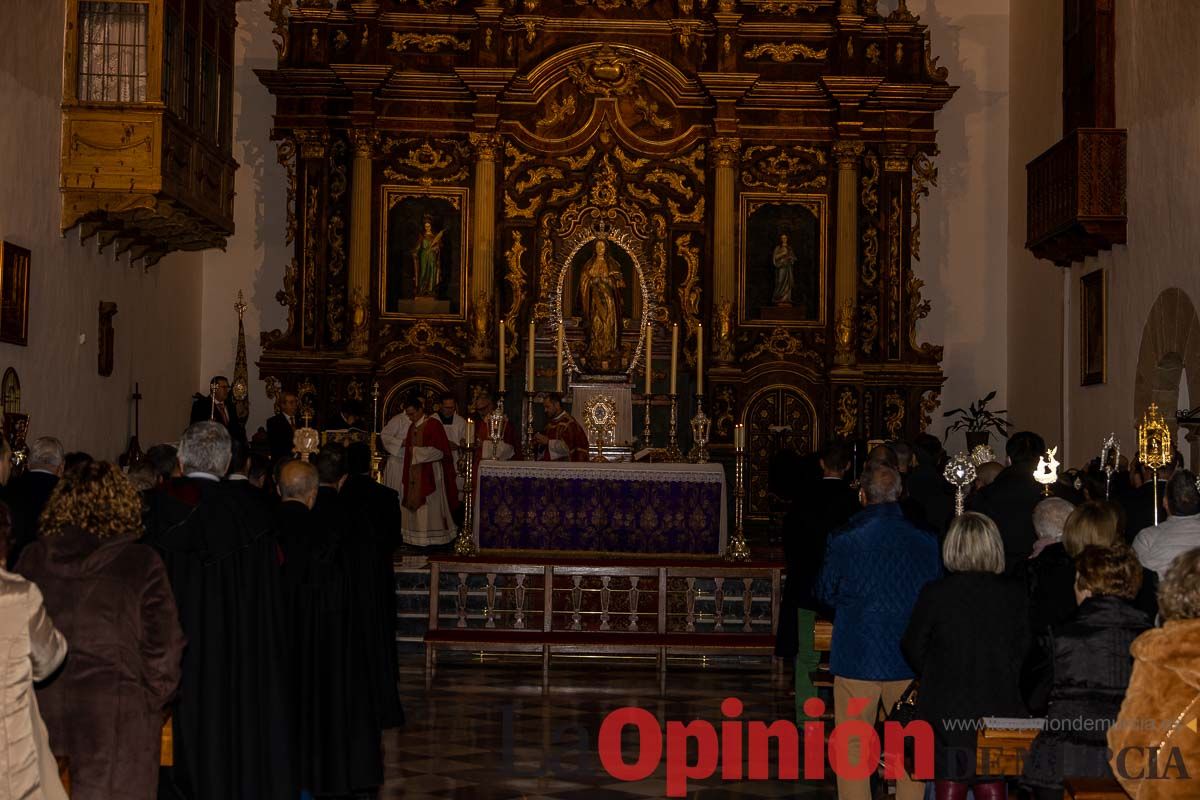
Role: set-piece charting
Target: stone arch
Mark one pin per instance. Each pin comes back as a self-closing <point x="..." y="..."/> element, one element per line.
<point x="1170" y="349"/>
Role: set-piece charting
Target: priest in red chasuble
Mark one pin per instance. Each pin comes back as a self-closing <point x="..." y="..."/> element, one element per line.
<point x="509" y="446"/>
<point x="563" y="437"/>
<point x="429" y="487"/>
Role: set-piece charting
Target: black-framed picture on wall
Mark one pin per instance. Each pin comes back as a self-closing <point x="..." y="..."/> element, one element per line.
<point x="14" y="293"/>
<point x="1093" y="328"/>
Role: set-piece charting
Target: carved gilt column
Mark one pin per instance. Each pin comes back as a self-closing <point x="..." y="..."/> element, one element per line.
<point x="487" y="149"/>
<point x="360" y="240"/>
<point x="314" y="151"/>
<point x="845" y="286"/>
<point x="727" y="151"/>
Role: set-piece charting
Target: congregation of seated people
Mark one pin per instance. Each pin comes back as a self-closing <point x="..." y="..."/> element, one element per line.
<point x="1065" y="603"/>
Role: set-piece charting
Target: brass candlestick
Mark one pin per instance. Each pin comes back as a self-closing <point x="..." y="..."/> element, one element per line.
<point x="673" y="451"/>
<point x="960" y="472"/>
<point x="376" y="456"/>
<point x="701" y="425"/>
<point x="738" y="549"/>
<point x="646" y="433"/>
<point x="527" y="440"/>
<point x="1154" y="447"/>
<point x="464" y="543"/>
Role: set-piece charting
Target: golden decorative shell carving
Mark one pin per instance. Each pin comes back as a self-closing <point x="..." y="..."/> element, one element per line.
<point x="427" y="42"/>
<point x="785" y="52"/>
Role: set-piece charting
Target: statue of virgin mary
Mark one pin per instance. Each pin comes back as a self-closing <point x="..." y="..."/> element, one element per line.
<point x="600" y="292"/>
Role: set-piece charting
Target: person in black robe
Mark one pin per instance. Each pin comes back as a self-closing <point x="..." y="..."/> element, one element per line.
<point x="338" y="735"/>
<point x="28" y="493"/>
<point x="382" y="507"/>
<point x="233" y="722"/>
<point x="927" y="487"/>
<point x="820" y="506"/>
<point x="1010" y="499"/>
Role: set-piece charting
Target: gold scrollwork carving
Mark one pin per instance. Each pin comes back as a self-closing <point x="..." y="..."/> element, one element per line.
<point x="286" y="155"/>
<point x="427" y="42"/>
<point x="693" y="162"/>
<point x="726" y="151"/>
<point x="671" y="179"/>
<point x="606" y="73"/>
<point x="563" y="192"/>
<point x="893" y="275"/>
<point x="868" y="327"/>
<point x="924" y="176"/>
<point x="278" y="12"/>
<point x="359" y="324"/>
<point x="421" y="337"/>
<point x="870" y="256"/>
<point x="481" y="327"/>
<point x="427" y="161"/>
<point x="930" y="400"/>
<point x="546" y="272"/>
<point x="893" y="408"/>
<point x="311" y="212"/>
<point x="918" y="309"/>
<point x="643" y="195"/>
<point x="793" y="168"/>
<point x="695" y="215"/>
<point x="723" y="412"/>
<point x="844" y="332"/>
<point x="514" y="211"/>
<point x="629" y="165"/>
<point x="576" y="163"/>
<point x="516" y="159"/>
<point x="689" y="291"/>
<point x="556" y="113"/>
<point x="647" y="111"/>
<point x="604" y="189"/>
<point x="537" y="176"/>
<point x="787" y="9"/>
<point x="516" y="280"/>
<point x="782" y="344"/>
<point x="870" y="185"/>
<point x="785" y="52"/>
<point x="873" y="55"/>
<point x="847" y="407"/>
<point x="486" y="145"/>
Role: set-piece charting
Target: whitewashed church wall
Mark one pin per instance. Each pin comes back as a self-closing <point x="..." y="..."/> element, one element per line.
<point x="158" y="318"/>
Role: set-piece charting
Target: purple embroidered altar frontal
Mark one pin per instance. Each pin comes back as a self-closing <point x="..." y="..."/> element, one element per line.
<point x="594" y="507"/>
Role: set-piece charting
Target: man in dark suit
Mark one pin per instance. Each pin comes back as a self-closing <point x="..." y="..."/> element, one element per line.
<point x="29" y="492"/>
<point x="819" y="507"/>
<point x="218" y="406"/>
<point x="281" y="428"/>
<point x="240" y="464"/>
<point x="1010" y="499"/>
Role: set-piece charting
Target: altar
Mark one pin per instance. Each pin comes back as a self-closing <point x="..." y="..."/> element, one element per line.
<point x="601" y="507"/>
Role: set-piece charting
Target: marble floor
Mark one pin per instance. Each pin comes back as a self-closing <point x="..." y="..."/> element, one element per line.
<point x="487" y="729"/>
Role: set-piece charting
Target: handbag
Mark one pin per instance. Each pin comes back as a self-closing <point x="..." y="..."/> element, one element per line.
<point x="903" y="712"/>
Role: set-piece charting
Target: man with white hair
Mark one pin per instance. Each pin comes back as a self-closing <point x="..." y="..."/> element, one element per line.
<point x="223" y="563"/>
<point x="29" y="492"/>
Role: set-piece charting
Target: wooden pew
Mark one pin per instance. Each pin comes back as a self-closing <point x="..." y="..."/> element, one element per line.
<point x="1095" y="789"/>
<point x="1001" y="749"/>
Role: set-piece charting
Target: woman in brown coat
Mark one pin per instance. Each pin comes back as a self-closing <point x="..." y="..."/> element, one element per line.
<point x="110" y="597"/>
<point x="1155" y="746"/>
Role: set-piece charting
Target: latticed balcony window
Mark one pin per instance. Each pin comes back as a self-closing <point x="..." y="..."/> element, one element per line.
<point x="112" y="51"/>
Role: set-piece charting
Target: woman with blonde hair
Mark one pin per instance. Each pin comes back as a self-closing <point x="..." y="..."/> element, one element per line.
<point x="110" y="596"/>
<point x="1159" y="713"/>
<point x="966" y="639"/>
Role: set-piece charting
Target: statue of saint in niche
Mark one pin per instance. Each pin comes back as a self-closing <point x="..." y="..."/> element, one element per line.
<point x="427" y="260"/>
<point x="601" y="293"/>
<point x="784" y="260"/>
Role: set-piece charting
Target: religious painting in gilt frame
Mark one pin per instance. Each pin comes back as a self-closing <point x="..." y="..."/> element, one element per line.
<point x="782" y="255"/>
<point x="1093" y="324"/>
<point x="423" y="266"/>
<point x="14" y="294"/>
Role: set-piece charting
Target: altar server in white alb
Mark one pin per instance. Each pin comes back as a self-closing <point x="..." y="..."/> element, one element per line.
<point x="456" y="432"/>
<point x="429" y="487"/>
<point x="393" y="435"/>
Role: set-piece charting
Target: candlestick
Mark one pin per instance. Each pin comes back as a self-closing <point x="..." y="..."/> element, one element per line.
<point x="649" y="359"/>
<point x="501" y="359"/>
<point x="646" y="433"/>
<point x="464" y="543"/>
<point x="673" y="451"/>
<point x="738" y="549"/>
<point x="558" y="378"/>
<point x="674" y="354"/>
<point x="700" y="359"/>
<point x="470" y="432"/>
<point x="527" y="441"/>
<point x="529" y="358"/>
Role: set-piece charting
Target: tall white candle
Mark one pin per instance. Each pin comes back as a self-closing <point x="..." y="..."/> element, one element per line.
<point x="470" y="432"/>
<point x="700" y="359"/>
<point x="529" y="358"/>
<point x="501" y="359"/>
<point x="674" y="353"/>
<point x="558" y="378"/>
<point x="649" y="355"/>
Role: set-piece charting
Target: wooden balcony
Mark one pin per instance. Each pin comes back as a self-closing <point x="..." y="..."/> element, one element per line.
<point x="1076" y="196"/>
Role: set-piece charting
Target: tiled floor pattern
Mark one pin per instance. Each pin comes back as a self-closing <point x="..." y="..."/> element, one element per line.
<point x="488" y="730"/>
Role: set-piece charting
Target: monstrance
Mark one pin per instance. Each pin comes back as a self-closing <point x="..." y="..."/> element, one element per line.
<point x="1154" y="447"/>
<point x="1110" y="457"/>
<point x="1047" y="470"/>
<point x="960" y="472"/>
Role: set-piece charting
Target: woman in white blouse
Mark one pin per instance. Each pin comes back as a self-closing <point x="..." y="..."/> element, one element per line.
<point x="31" y="649"/>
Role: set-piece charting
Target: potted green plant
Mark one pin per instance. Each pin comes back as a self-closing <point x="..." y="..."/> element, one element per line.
<point x="978" y="422"/>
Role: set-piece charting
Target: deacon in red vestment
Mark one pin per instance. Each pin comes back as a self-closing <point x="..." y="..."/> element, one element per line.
<point x="508" y="448"/>
<point x="563" y="437"/>
<point x="429" y="486"/>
